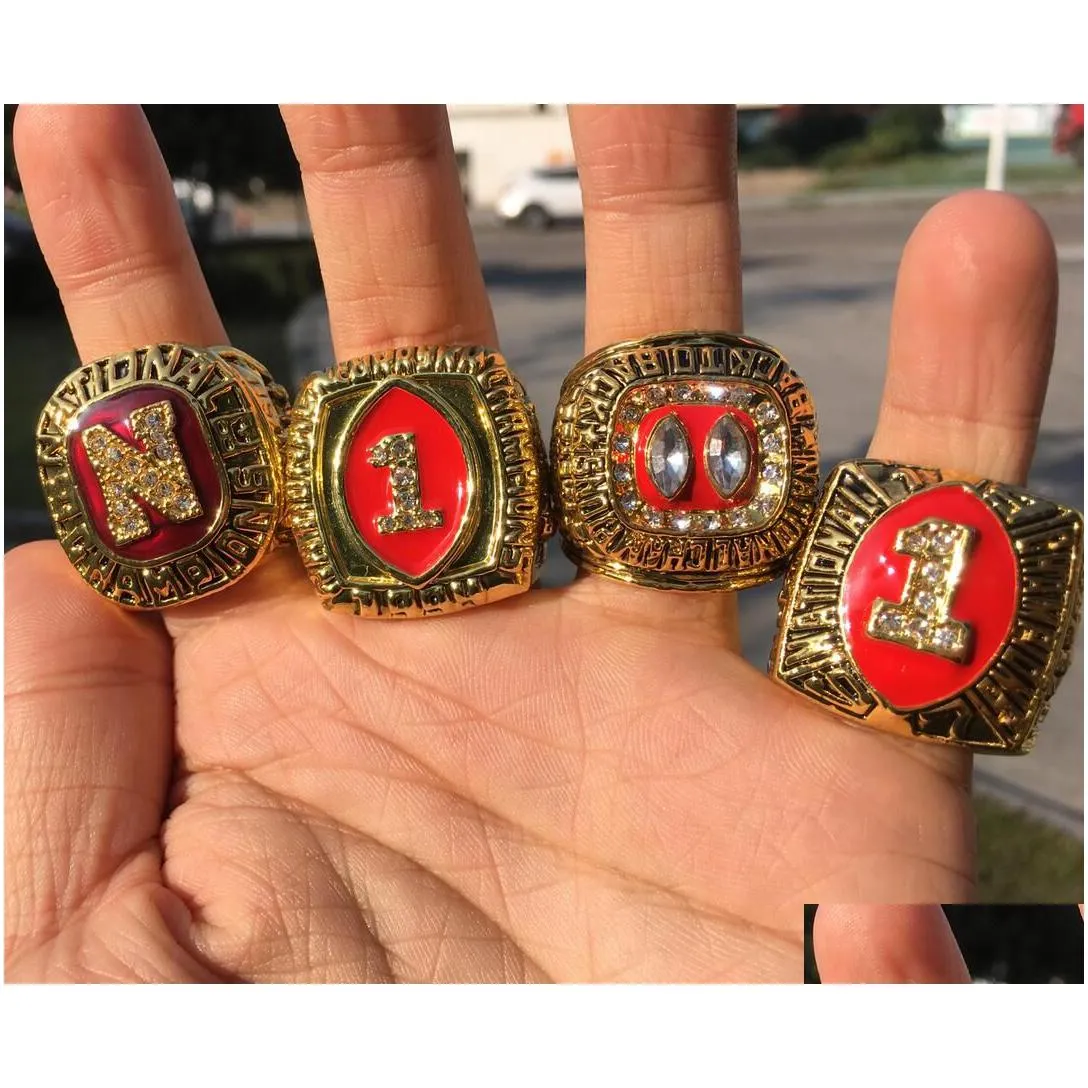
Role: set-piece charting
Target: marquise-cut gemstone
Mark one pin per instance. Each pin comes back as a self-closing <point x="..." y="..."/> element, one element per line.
<point x="728" y="456"/>
<point x="668" y="456"/>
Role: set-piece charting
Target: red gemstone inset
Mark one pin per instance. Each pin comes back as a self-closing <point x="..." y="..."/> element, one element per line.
<point x="441" y="476"/>
<point x="166" y="537"/>
<point x="698" y="492"/>
<point x="985" y="599"/>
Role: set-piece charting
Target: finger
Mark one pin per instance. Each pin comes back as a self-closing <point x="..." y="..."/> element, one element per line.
<point x="89" y="688"/>
<point x="110" y="229"/>
<point x="972" y="337"/>
<point x="662" y="253"/>
<point x="880" y="943"/>
<point x="662" y="235"/>
<point x="393" y="239"/>
<point x="87" y="753"/>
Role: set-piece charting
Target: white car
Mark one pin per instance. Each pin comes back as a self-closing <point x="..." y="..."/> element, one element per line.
<point x="542" y="196"/>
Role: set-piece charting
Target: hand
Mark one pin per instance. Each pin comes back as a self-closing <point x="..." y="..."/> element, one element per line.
<point x="579" y="784"/>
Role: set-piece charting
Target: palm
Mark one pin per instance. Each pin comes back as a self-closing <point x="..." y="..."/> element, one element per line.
<point x="553" y="788"/>
<point x="586" y="783"/>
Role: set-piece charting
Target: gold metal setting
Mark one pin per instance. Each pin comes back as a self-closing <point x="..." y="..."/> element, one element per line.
<point x="1011" y="684"/>
<point x="611" y="527"/>
<point x="497" y="546"/>
<point x="237" y="409"/>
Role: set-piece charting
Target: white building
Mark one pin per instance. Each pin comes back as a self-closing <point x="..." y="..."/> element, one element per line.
<point x="494" y="144"/>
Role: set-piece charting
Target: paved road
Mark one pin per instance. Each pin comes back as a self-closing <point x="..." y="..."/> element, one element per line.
<point x="818" y="284"/>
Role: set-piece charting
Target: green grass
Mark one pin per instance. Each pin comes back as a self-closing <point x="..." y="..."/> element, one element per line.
<point x="1022" y="860"/>
<point x="947" y="169"/>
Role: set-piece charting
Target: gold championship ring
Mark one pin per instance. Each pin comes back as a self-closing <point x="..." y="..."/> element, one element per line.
<point x="935" y="607"/>
<point x="415" y="482"/>
<point x="685" y="461"/>
<point x="162" y="472"/>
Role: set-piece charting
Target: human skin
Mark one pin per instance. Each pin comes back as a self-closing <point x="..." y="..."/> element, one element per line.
<point x="586" y="783"/>
<point x="869" y="942"/>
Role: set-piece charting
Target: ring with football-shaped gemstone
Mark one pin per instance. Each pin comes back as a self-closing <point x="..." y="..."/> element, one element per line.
<point x="162" y="471"/>
<point x="932" y="604"/>
<point x="685" y="461"/>
<point x="416" y="482"/>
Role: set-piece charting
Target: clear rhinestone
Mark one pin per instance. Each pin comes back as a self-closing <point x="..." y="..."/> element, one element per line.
<point x="150" y="479"/>
<point x="773" y="442"/>
<point x="891" y="623"/>
<point x="943" y="541"/>
<point x="655" y="519"/>
<point x="728" y="456"/>
<point x="681" y="522"/>
<point x="766" y="413"/>
<point x="132" y="526"/>
<point x="763" y="506"/>
<point x="668" y="456"/>
<point x="116" y="489"/>
<point x="403" y="477"/>
<point x="185" y="503"/>
<point x="629" y="502"/>
<point x="621" y="473"/>
<point x="716" y="392"/>
<point x="772" y="472"/>
<point x="740" y="398"/>
<point x="925" y="602"/>
<point x="713" y="522"/>
<point x="918" y="628"/>
<point x="622" y="443"/>
<point x="698" y="522"/>
<point x="686" y="392"/>
<point x="657" y="395"/>
<point x="154" y="419"/>
<point x="114" y="455"/>
<point x="931" y="571"/>
<point x="632" y="413"/>
<point x="162" y="452"/>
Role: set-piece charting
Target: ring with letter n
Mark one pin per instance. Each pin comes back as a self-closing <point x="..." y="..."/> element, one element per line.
<point x="162" y="471"/>
<point x="685" y="461"/>
<point x="415" y="480"/>
<point x="934" y="605"/>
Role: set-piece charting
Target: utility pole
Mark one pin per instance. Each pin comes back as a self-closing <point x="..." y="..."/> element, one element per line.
<point x="999" y="139"/>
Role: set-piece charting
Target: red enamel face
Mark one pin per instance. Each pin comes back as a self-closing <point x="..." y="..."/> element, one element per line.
<point x="166" y="537"/>
<point x="984" y="598"/>
<point x="407" y="483"/>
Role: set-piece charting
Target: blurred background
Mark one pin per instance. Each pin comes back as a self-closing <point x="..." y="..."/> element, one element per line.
<point x="1007" y="943"/>
<point x="829" y="195"/>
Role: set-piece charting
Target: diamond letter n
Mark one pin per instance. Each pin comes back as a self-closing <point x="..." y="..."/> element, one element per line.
<point x="157" y="474"/>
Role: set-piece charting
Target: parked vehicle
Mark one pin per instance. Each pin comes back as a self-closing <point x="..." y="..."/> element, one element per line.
<point x="542" y="197"/>
<point x="1069" y="133"/>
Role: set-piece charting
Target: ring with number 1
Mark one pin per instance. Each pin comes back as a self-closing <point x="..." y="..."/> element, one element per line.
<point x="416" y="482"/>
